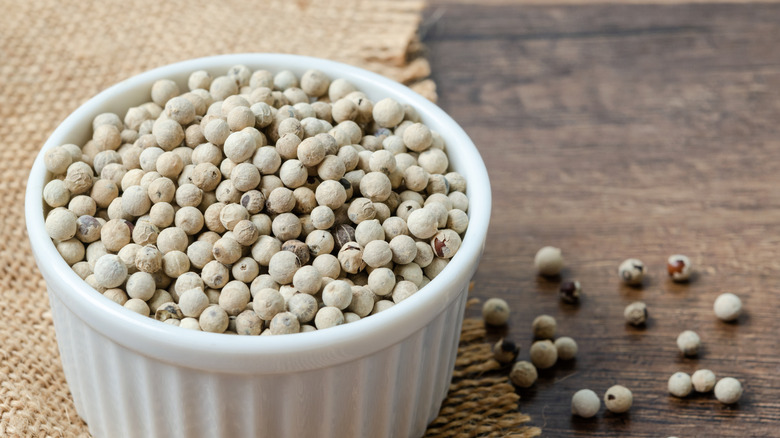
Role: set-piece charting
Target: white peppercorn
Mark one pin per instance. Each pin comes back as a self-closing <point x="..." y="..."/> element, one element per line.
<point x="543" y="354"/>
<point x="328" y="317"/>
<point x="213" y="319"/>
<point x="727" y="307"/>
<point x="307" y="280"/>
<point x="505" y="351"/>
<point x="234" y="297"/>
<point x="362" y="301"/>
<point x="245" y="232"/>
<point x="189" y="219"/>
<point x="403" y="290"/>
<point x="689" y="343"/>
<point x="618" y="399"/>
<point x="338" y="294"/>
<point x="632" y="271"/>
<point x="679" y="384"/>
<point x="495" y="311"/>
<point x="116" y="295"/>
<point x="72" y="251"/>
<point x="377" y="253"/>
<point x="409" y="272"/>
<point x="351" y="258"/>
<point x="422" y="223"/>
<point x="585" y="403"/>
<point x="282" y="266"/>
<point x="703" y="380"/>
<point x="55" y="194"/>
<point x="435" y="267"/>
<point x="328" y="265"/>
<point x="61" y="224"/>
<point x="188" y="323"/>
<point x="284" y="323"/>
<point x="138" y="306"/>
<point x="193" y="302"/>
<point x="320" y="242"/>
<point x="523" y="374"/>
<point x="175" y="263"/>
<point x="140" y="285"/>
<point x="110" y="271"/>
<point x="679" y="268"/>
<point x="375" y="186"/>
<point x="82" y="269"/>
<point x="417" y="137"/>
<point x="566" y="347"/>
<point x="215" y="275"/>
<point x="636" y="313"/>
<point x="424" y="255"/>
<point x="445" y="243"/>
<point x="728" y="390"/>
<point x="303" y="306"/>
<point x="248" y="323"/>
<point x="381" y="306"/>
<point x="148" y="259"/>
<point x="548" y="261"/>
<point x="381" y="281"/>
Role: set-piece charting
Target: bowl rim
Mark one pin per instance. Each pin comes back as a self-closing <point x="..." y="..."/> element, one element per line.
<point x="253" y="354"/>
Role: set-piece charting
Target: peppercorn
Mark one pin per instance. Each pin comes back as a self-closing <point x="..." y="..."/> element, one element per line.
<point x="505" y="351"/>
<point x="523" y="374"/>
<point x="679" y="384"/>
<point x="689" y="343"/>
<point x="495" y="311"/>
<point x="328" y="317"/>
<point x="679" y="267"/>
<point x="548" y="261"/>
<point x="403" y="290"/>
<point x="727" y="306"/>
<point x="618" y="399"/>
<point x="585" y="403"/>
<point x="728" y="390"/>
<point x="566" y="348"/>
<point x="285" y="323"/>
<point x="110" y="271"/>
<point x="632" y="271"/>
<point x="703" y="380"/>
<point x="61" y="224"/>
<point x="138" y="306"/>
<point x="544" y="327"/>
<point x="636" y="313"/>
<point x="543" y="354"/>
<point x="569" y="291"/>
<point x="213" y="319"/>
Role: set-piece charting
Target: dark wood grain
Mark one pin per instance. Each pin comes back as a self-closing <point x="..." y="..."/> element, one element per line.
<point x="629" y="131"/>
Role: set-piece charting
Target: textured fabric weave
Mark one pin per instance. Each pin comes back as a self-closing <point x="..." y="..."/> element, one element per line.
<point x="55" y="55"/>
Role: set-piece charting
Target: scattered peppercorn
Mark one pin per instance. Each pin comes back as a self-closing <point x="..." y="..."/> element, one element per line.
<point x="570" y="292"/>
<point x="636" y="313"/>
<point x="689" y="343"/>
<point x="679" y="384"/>
<point x="567" y="348"/>
<point x="679" y="268"/>
<point x="495" y="311"/>
<point x="728" y="390"/>
<point x="543" y="354"/>
<point x="505" y="351"/>
<point x="544" y="327"/>
<point x="585" y="403"/>
<point x="703" y="380"/>
<point x="632" y="271"/>
<point x="727" y="307"/>
<point x="618" y="399"/>
<point x="548" y="261"/>
<point x="523" y="374"/>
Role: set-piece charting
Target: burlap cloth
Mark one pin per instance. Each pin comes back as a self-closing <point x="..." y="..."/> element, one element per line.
<point x="54" y="55"/>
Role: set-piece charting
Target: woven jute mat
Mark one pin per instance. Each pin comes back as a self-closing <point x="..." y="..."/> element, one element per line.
<point x="55" y="55"/>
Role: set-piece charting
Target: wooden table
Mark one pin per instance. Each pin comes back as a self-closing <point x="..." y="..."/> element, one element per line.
<point x="616" y="131"/>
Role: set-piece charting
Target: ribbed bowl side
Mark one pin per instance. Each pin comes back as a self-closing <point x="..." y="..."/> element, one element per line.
<point x="394" y="392"/>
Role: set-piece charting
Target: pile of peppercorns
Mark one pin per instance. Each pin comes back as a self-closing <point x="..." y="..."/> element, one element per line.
<point x="257" y="203"/>
<point x="618" y="399"/>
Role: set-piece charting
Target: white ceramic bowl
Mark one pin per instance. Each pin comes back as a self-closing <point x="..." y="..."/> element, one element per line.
<point x="385" y="375"/>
